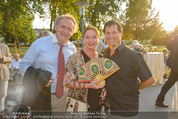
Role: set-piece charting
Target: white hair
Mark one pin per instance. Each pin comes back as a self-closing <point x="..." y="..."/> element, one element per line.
<point x="47" y="33"/>
<point x="17" y="55"/>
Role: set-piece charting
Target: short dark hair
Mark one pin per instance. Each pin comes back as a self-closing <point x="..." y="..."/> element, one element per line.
<point x="113" y="22"/>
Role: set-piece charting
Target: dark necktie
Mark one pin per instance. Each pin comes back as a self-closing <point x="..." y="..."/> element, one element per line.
<point x="60" y="73"/>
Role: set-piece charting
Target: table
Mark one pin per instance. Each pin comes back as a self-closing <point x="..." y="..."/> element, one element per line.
<point x="155" y="61"/>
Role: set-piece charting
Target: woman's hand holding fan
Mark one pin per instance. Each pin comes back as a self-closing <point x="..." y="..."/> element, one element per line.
<point x="97" y="69"/>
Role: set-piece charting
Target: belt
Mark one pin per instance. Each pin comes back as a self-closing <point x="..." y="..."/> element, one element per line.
<point x="53" y="93"/>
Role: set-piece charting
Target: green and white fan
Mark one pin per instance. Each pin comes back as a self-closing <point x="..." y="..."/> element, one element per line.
<point x="97" y="69"/>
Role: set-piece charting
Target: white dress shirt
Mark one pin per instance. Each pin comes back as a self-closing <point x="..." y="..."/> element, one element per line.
<point x="15" y="64"/>
<point x="43" y="53"/>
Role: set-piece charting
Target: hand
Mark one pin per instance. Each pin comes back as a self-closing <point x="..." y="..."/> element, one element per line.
<point x="1" y="57"/>
<point x="51" y="80"/>
<point x="103" y="95"/>
<point x="94" y="85"/>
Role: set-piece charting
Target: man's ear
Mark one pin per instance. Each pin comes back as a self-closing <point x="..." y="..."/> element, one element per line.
<point x="121" y="34"/>
<point x="55" y="27"/>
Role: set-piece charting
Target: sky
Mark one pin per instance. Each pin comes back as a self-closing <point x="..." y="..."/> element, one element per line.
<point x="40" y="23"/>
<point x="167" y="14"/>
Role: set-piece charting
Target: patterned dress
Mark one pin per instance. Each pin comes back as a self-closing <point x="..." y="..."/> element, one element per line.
<point x="73" y="65"/>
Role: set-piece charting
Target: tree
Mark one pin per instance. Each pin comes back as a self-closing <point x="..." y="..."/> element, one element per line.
<point x="16" y="22"/>
<point x="53" y="8"/>
<point x="97" y="12"/>
<point x="155" y="31"/>
<point x="100" y="11"/>
<point x="136" y="15"/>
<point x="141" y="22"/>
<point x="174" y="32"/>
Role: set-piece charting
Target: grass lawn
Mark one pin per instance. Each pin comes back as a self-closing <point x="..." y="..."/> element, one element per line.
<point x="149" y="47"/>
<point x="23" y="50"/>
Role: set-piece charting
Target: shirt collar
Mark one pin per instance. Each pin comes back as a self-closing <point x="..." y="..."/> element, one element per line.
<point x="121" y="47"/>
<point x="54" y="40"/>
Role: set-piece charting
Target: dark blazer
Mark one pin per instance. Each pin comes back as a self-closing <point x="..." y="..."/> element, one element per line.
<point x="36" y="95"/>
<point x="172" y="61"/>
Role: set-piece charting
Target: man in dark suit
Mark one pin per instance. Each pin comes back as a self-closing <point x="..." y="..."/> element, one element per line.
<point x="173" y="64"/>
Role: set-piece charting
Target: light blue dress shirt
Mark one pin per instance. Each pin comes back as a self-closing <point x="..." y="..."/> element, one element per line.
<point x="43" y="53"/>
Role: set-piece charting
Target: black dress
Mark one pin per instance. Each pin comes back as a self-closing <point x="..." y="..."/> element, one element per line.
<point x="93" y="97"/>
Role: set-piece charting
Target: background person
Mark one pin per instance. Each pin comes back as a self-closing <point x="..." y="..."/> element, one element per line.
<point x="5" y="57"/>
<point x="105" y="46"/>
<point x="138" y="47"/>
<point x="154" y="49"/>
<point x="43" y="53"/>
<point x="173" y="64"/>
<point x="123" y="86"/>
<point x="100" y="47"/>
<point x="46" y="33"/>
<point x="165" y="61"/>
<point x="14" y="70"/>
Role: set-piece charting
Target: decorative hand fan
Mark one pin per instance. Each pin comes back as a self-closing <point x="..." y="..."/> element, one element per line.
<point x="97" y="69"/>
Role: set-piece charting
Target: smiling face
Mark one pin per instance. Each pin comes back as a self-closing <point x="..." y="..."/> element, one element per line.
<point x="16" y="56"/>
<point x="64" y="30"/>
<point x="91" y="39"/>
<point x="112" y="35"/>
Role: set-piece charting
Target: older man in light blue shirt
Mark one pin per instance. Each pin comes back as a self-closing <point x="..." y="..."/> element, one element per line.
<point x="43" y="53"/>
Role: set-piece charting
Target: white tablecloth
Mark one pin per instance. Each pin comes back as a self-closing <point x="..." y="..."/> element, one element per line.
<point x="155" y="61"/>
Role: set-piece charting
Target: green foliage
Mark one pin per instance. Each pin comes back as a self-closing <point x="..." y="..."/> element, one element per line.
<point x="100" y="11"/>
<point x="52" y="8"/>
<point x="16" y="22"/>
<point x="139" y="19"/>
<point x="166" y="38"/>
<point x="137" y="11"/>
<point x="174" y="32"/>
<point x="1" y="18"/>
<point x="136" y="14"/>
<point x="20" y="51"/>
<point x="141" y="23"/>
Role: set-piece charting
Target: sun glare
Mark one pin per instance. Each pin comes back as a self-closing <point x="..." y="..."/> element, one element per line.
<point x="168" y="13"/>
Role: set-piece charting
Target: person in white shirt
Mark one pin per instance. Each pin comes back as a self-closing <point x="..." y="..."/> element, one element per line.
<point x="14" y="70"/>
<point x="43" y="53"/>
<point x="138" y="47"/>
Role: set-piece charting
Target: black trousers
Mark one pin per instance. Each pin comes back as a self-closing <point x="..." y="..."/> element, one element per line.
<point x="168" y="84"/>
